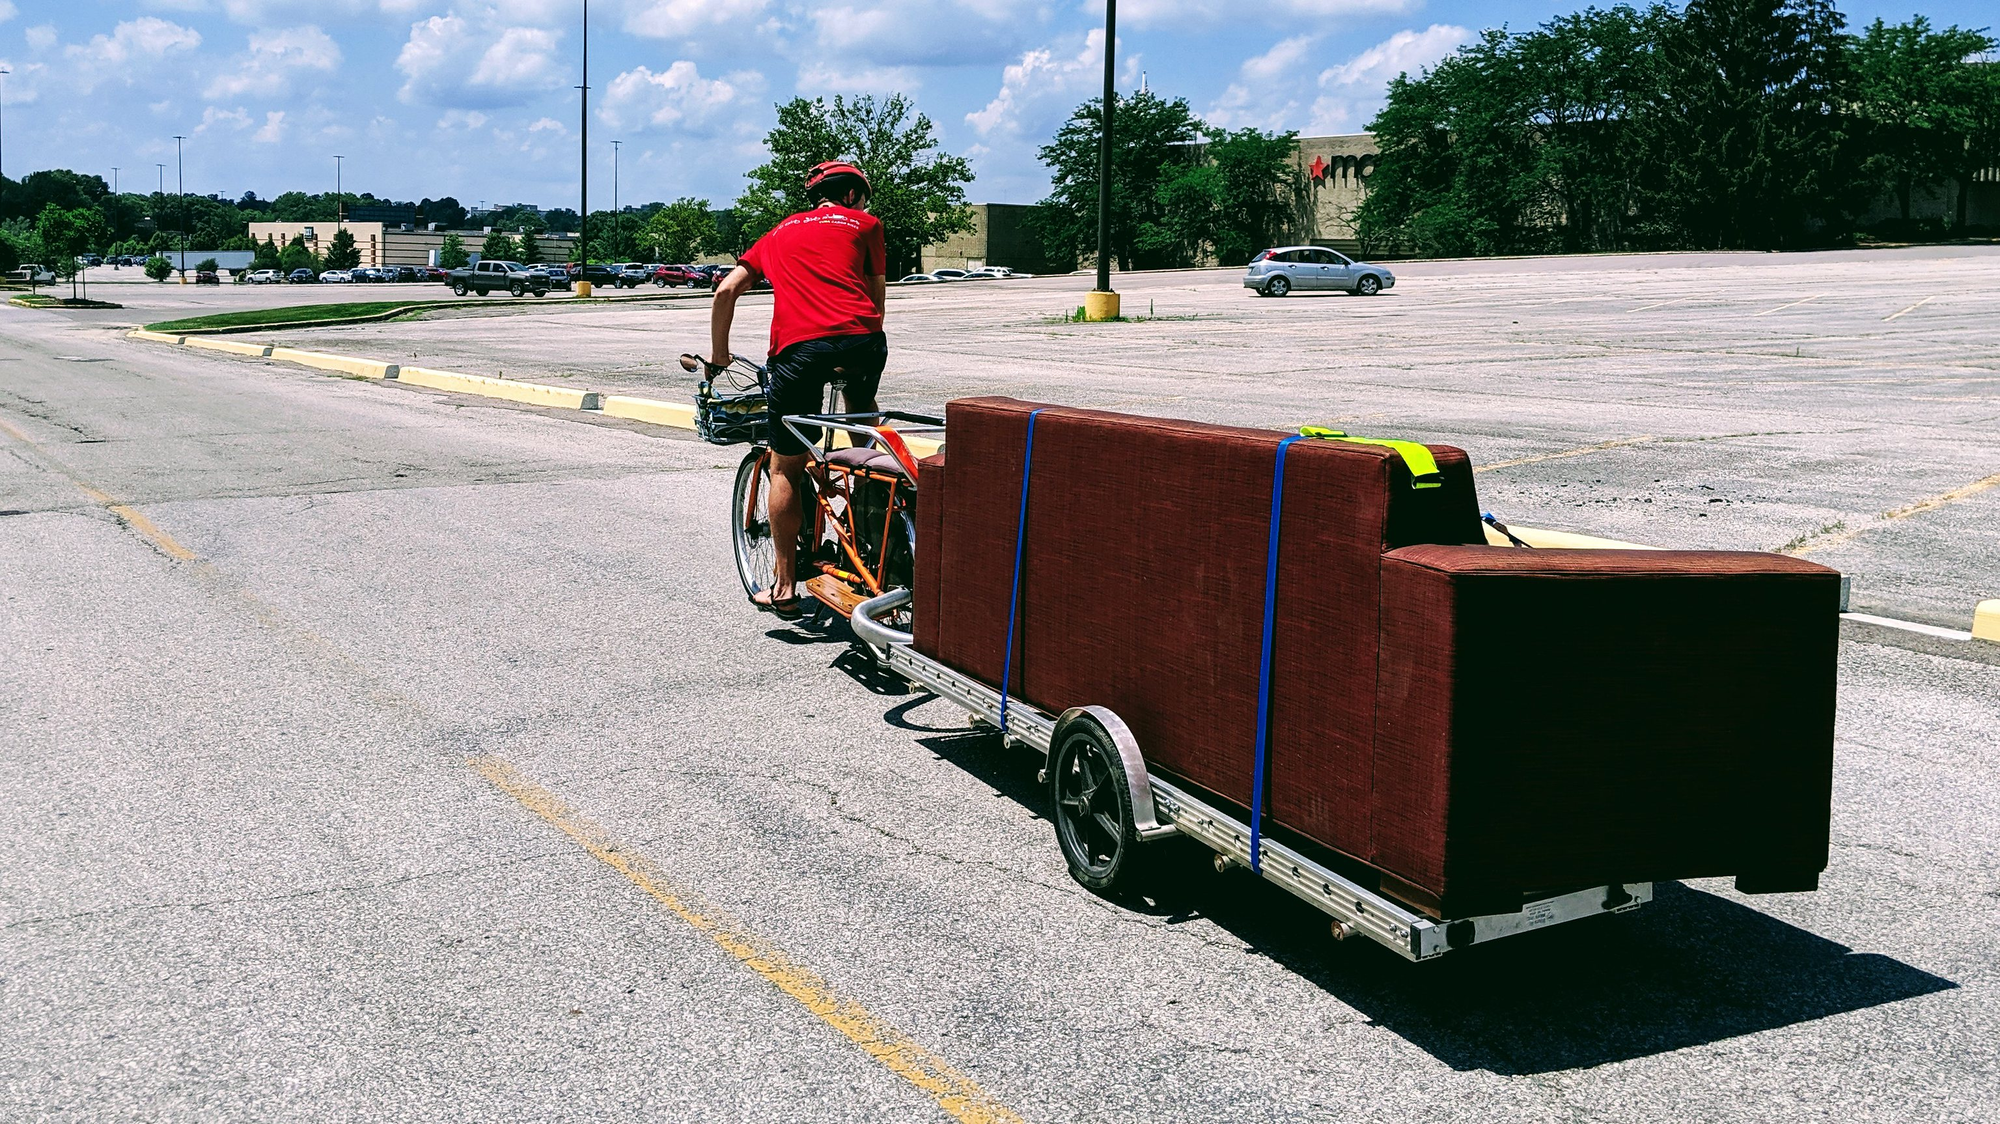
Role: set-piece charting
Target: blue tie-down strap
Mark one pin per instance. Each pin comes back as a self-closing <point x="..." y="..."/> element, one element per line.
<point x="1264" y="660"/>
<point x="1014" y="596"/>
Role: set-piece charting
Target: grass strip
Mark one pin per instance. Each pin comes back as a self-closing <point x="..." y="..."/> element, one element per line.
<point x="290" y="314"/>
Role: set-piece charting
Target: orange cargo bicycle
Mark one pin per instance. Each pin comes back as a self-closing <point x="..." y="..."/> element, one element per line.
<point x="859" y="537"/>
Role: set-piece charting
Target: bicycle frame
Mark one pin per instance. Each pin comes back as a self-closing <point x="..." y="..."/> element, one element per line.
<point x="863" y="429"/>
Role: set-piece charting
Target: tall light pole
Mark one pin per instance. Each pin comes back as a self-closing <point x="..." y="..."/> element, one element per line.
<point x="114" y="179"/>
<point x="339" y="200"/>
<point x="583" y="164"/>
<point x="181" y="183"/>
<point x="1101" y="303"/>
<point x="3" y="139"/>
<point x="163" y="178"/>
<point x="617" y="216"/>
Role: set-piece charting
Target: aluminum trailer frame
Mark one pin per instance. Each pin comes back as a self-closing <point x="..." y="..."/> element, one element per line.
<point x="1162" y="809"/>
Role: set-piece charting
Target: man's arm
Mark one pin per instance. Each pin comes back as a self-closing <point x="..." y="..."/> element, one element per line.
<point x="722" y="313"/>
<point x="878" y="291"/>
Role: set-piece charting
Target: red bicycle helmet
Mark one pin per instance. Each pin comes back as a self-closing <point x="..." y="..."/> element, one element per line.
<point x="817" y="179"/>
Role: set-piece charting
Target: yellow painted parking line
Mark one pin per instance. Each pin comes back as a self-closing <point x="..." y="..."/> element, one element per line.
<point x="1928" y="503"/>
<point x="132" y="518"/>
<point x="955" y="1093"/>
<point x="1907" y="311"/>
<point x="1656" y="304"/>
<point x="1567" y="453"/>
<point x="1794" y="304"/>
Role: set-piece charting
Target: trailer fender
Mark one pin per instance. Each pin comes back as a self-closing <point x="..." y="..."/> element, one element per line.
<point x="1145" y="817"/>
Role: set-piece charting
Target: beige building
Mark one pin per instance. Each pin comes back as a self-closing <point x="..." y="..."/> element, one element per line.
<point x="1335" y="172"/>
<point x="385" y="244"/>
<point x="999" y="236"/>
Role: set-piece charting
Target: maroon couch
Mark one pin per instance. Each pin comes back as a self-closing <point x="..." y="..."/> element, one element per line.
<point x="1472" y="723"/>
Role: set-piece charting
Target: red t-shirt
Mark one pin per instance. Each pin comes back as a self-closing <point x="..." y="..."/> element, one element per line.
<point x="819" y="263"/>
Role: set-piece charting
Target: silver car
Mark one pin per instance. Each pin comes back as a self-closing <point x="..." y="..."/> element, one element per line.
<point x="1275" y="273"/>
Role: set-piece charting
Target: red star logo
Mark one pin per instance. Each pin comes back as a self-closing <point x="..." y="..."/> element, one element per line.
<point x="1319" y="169"/>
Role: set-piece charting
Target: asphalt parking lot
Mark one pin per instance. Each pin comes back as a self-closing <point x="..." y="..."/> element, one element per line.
<point x="376" y="753"/>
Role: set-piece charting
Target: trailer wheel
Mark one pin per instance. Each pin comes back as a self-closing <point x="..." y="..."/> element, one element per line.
<point x="1093" y="806"/>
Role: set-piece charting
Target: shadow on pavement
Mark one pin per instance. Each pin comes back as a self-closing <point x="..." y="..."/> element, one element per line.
<point x="1688" y="969"/>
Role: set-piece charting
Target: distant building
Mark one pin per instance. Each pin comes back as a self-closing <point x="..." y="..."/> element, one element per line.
<point x="399" y="244"/>
<point x="999" y="236"/>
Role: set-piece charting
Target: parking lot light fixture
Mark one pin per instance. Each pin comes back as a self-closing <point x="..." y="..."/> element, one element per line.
<point x="4" y="72"/>
<point x="583" y="164"/>
<point x="339" y="200"/>
<point x="180" y="182"/>
<point x="1101" y="303"/>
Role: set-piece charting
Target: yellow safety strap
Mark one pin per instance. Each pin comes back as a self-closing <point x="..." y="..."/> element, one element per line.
<point x="1423" y="467"/>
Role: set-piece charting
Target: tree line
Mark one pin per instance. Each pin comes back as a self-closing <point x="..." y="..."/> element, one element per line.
<point x="1724" y="124"/>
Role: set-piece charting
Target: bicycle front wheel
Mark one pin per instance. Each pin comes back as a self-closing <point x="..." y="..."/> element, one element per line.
<point x="750" y="518"/>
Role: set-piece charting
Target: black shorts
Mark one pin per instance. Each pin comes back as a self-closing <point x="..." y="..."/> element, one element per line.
<point x="799" y="376"/>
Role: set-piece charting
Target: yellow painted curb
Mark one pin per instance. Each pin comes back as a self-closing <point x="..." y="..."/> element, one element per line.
<point x="679" y="415"/>
<point x="529" y="393"/>
<point x="1100" y="306"/>
<point x="230" y="346"/>
<point x="365" y="368"/>
<point x="155" y="337"/>
<point x="1986" y="621"/>
<point x="1560" y="540"/>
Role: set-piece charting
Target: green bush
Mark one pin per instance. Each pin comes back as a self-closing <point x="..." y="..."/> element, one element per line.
<point x="158" y="267"/>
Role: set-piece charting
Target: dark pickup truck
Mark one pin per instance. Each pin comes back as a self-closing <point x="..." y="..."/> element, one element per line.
<point x="485" y="276"/>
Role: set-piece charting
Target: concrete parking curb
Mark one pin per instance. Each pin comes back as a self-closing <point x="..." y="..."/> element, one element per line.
<point x="527" y="393"/>
<point x="346" y="365"/>
<point x="258" y="350"/>
<point x="1986" y="621"/>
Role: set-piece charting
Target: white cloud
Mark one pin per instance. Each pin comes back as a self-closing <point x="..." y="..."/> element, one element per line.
<point x="819" y="77"/>
<point x="273" y="130"/>
<point x="675" y="98"/>
<point x="1185" y="14"/>
<point x="923" y="32"/>
<point x="8" y="10"/>
<point x="41" y="36"/>
<point x="1265" y="93"/>
<point x="214" y="118"/>
<point x="461" y="119"/>
<point x="1040" y="83"/>
<point x="548" y="125"/>
<point x="1351" y="93"/>
<point x="682" y="19"/>
<point x="274" y="56"/>
<point x="147" y="37"/>
<point x="452" y="61"/>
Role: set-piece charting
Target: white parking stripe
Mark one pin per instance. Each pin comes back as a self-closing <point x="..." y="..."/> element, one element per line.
<point x="1912" y="308"/>
<point x="1659" y="304"/>
<point x="1794" y="304"/>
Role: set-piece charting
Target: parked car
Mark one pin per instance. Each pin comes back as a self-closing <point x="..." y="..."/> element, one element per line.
<point x="918" y="279"/>
<point x="948" y="274"/>
<point x="1274" y="273"/>
<point x="206" y="277"/>
<point x="631" y="275"/>
<point x="265" y="277"/>
<point x="674" y="276"/>
<point x="595" y="273"/>
<point x="301" y="276"/>
<point x="556" y="275"/>
<point x="485" y="276"/>
<point x="432" y="273"/>
<point x="33" y="274"/>
<point x="404" y="274"/>
<point x="335" y="277"/>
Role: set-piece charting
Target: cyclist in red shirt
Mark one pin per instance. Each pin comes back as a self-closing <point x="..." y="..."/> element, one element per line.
<point x="828" y="269"/>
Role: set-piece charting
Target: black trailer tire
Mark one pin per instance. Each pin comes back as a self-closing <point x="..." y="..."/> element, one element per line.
<point x="1091" y="802"/>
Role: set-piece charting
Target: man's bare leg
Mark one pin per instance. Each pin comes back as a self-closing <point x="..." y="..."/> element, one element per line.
<point x="787" y="514"/>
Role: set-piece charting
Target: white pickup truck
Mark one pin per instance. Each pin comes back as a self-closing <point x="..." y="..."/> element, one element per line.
<point x="33" y="275"/>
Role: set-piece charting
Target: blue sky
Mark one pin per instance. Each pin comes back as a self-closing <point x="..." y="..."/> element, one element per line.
<point x="473" y="98"/>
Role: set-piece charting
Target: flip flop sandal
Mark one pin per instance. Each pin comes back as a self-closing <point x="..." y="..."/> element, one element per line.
<point x="790" y="609"/>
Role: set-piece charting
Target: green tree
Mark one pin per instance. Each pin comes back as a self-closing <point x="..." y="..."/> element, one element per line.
<point x="530" y="250"/>
<point x="295" y="255"/>
<point x="1755" y="125"/>
<point x="681" y="231"/>
<point x="67" y="233"/>
<point x="341" y="252"/>
<point x="1916" y="90"/>
<point x="267" y="255"/>
<point x="1236" y="195"/>
<point x="452" y="254"/>
<point x="499" y="246"/>
<point x="208" y="265"/>
<point x="158" y="267"/>
<point x="1151" y="142"/>
<point x="919" y="189"/>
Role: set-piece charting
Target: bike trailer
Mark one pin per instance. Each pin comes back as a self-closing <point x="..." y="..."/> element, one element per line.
<point x="1298" y="650"/>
